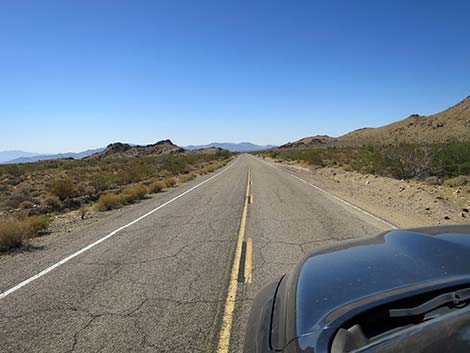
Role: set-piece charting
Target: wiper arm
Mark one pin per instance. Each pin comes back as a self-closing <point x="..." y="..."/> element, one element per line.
<point x="455" y="298"/>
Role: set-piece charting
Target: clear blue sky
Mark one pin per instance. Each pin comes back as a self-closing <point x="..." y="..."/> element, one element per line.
<point x="81" y="74"/>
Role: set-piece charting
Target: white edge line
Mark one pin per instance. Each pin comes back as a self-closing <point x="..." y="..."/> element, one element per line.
<point x="88" y="247"/>
<point x="377" y="218"/>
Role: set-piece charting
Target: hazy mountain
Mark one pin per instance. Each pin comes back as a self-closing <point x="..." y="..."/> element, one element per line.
<point x="118" y="149"/>
<point x="42" y="157"/>
<point x="9" y="155"/>
<point x="233" y="147"/>
<point x="450" y="124"/>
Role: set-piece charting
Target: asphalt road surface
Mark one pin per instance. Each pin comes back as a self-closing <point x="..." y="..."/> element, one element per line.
<point x="160" y="283"/>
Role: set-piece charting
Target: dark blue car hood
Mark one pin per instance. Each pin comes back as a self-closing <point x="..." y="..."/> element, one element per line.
<point x="329" y="282"/>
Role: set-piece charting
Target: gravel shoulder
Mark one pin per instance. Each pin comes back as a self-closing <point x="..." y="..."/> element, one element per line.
<point x="403" y="203"/>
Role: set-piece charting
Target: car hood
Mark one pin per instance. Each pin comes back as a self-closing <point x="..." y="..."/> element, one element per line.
<point x="343" y="279"/>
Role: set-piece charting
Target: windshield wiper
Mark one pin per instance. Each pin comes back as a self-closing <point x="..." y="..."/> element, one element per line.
<point x="456" y="298"/>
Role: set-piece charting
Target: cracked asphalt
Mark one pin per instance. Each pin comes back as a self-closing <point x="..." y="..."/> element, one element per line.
<point x="160" y="284"/>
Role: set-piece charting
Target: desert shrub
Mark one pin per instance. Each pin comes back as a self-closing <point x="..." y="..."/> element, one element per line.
<point x="274" y="154"/>
<point x="135" y="171"/>
<point x="406" y="161"/>
<point x="174" y="164"/>
<point x="368" y="161"/>
<point x="133" y="193"/>
<point x="401" y="161"/>
<point x="14" y="169"/>
<point x="108" y="202"/>
<point x="223" y="153"/>
<point x="102" y="182"/>
<point x="15" y="199"/>
<point x="169" y="182"/>
<point x="63" y="188"/>
<point x="156" y="186"/>
<point x="11" y="235"/>
<point x="35" y="225"/>
<point x="83" y="188"/>
<point x="312" y="157"/>
<point x="452" y="159"/>
<point x="53" y="202"/>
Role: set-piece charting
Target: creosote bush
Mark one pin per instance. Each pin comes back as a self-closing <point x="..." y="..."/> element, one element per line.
<point x="63" y="188"/>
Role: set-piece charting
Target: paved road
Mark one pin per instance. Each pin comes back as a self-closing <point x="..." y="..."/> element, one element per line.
<point x="160" y="284"/>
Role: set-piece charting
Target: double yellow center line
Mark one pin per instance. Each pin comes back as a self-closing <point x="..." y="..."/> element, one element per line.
<point x="224" y="336"/>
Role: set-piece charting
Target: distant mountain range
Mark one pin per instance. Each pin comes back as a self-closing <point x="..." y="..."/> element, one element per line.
<point x="28" y="157"/>
<point x="448" y="125"/>
<point x="233" y="147"/>
<point x="6" y="156"/>
<point x="123" y="149"/>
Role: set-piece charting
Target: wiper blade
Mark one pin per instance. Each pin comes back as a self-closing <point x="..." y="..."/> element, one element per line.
<point x="455" y="298"/>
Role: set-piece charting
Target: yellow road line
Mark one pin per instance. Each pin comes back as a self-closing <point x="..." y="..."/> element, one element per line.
<point x="248" y="260"/>
<point x="225" y="331"/>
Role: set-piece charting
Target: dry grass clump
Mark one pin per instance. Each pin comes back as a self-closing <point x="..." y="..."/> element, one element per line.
<point x="11" y="235"/>
<point x="204" y="170"/>
<point x="14" y="232"/>
<point x="209" y="168"/>
<point x="128" y="195"/>
<point x="170" y="182"/>
<point x="133" y="193"/>
<point x="156" y="186"/>
<point x="186" y="177"/>
<point x="108" y="202"/>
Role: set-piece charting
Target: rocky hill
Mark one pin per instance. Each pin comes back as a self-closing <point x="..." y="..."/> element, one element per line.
<point x="119" y="150"/>
<point x="450" y="124"/>
<point x="317" y="140"/>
